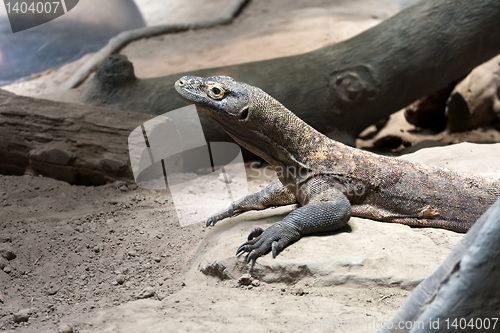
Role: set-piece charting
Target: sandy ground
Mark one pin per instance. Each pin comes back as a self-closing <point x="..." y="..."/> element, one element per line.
<point x="85" y="256"/>
<point x="115" y="259"/>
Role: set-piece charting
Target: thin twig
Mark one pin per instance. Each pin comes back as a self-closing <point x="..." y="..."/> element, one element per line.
<point x="36" y="261"/>
<point x="118" y="42"/>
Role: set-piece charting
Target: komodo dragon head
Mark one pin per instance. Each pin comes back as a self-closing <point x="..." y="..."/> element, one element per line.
<point x="250" y="116"/>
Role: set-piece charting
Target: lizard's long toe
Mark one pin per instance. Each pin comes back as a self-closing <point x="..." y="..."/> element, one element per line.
<point x="228" y="212"/>
<point x="252" y="256"/>
<point x="274" y="238"/>
<point x="248" y="246"/>
<point x="240" y="250"/>
<point x="255" y="233"/>
<point x="257" y="250"/>
<point x="211" y="221"/>
<point x="274" y="249"/>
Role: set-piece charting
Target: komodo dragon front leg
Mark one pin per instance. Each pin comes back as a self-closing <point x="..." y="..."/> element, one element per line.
<point x="325" y="211"/>
<point x="274" y="194"/>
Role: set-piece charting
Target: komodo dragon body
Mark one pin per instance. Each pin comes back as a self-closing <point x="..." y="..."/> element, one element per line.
<point x="327" y="179"/>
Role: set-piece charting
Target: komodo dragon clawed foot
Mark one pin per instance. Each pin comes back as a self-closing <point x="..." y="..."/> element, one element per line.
<point x="314" y="217"/>
<point x="275" y="238"/>
<point x="229" y="212"/>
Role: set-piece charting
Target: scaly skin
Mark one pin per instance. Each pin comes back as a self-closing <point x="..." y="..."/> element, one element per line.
<point x="329" y="180"/>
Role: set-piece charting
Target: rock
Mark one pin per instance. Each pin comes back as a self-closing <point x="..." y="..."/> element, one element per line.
<point x="65" y="329"/>
<point x="298" y="291"/>
<point x="123" y="270"/>
<point x="256" y="283"/>
<point x="52" y="291"/>
<point x="5" y="238"/>
<point x="120" y="279"/>
<point x="161" y="295"/>
<point x="474" y="158"/>
<point x="122" y="186"/>
<point x="133" y="253"/>
<point x="147" y="292"/>
<point x="7" y="251"/>
<point x="3" y="262"/>
<point x="351" y="256"/>
<point x="23" y="315"/>
<point x="90" y="25"/>
<point x="7" y="269"/>
<point x="245" y="280"/>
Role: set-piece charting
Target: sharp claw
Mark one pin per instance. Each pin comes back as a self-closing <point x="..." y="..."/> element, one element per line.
<point x="251" y="256"/>
<point x="241" y="249"/>
<point x="273" y="249"/>
<point x="211" y="221"/>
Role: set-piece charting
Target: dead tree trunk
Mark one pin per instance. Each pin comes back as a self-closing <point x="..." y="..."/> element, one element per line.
<point x="75" y="143"/>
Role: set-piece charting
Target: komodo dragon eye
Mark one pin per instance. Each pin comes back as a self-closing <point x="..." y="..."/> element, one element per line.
<point x="215" y="90"/>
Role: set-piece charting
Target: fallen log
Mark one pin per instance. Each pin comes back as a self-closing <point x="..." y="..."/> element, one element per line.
<point x="79" y="144"/>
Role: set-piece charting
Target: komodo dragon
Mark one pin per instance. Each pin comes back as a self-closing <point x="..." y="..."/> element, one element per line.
<point x="329" y="180"/>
